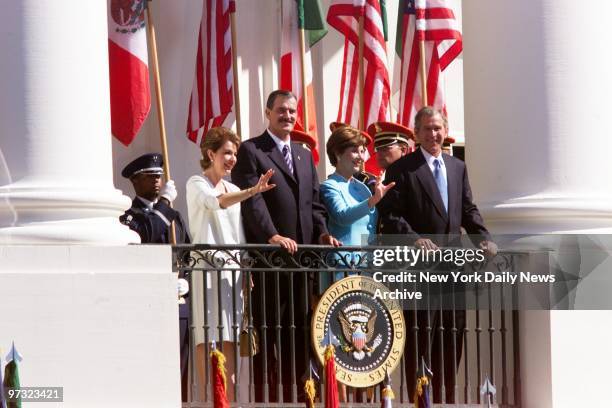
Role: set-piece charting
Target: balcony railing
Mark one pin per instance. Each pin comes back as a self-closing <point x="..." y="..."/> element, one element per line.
<point x="286" y="288"/>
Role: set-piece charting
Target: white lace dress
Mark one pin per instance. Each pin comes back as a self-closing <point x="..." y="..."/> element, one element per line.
<point x="211" y="224"/>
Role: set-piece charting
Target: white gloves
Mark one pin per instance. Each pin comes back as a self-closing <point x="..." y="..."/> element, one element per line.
<point x="183" y="288"/>
<point x="168" y="191"/>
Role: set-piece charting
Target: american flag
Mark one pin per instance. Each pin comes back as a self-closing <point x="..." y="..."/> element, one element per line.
<point x="434" y="21"/>
<point x="212" y="96"/>
<point x="344" y="15"/>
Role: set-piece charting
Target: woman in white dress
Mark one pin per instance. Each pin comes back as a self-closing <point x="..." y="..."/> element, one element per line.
<point x="214" y="218"/>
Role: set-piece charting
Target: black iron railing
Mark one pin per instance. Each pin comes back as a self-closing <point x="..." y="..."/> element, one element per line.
<point x="281" y="289"/>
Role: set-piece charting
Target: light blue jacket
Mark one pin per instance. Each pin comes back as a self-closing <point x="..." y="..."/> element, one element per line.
<point x="350" y="218"/>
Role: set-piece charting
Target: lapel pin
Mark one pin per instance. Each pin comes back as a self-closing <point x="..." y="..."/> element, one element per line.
<point x="298" y="157"/>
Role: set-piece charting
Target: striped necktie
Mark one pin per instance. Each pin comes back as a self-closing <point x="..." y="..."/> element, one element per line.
<point x="288" y="159"/>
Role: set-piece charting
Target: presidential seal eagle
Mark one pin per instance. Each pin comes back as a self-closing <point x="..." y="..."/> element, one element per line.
<point x="357" y="322"/>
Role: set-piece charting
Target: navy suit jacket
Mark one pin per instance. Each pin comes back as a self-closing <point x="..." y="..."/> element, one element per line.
<point x="414" y="206"/>
<point x="291" y="209"/>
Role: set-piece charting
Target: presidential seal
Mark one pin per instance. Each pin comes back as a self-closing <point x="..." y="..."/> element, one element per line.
<point x="368" y="333"/>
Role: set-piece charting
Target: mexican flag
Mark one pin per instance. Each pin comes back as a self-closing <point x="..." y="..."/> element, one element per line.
<point x="300" y="15"/>
<point x="128" y="67"/>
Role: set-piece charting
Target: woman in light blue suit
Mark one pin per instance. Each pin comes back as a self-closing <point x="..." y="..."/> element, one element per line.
<point x="350" y="204"/>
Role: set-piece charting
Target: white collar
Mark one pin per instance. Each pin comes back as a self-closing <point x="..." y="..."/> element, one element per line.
<point x="429" y="158"/>
<point x="147" y="203"/>
<point x="279" y="142"/>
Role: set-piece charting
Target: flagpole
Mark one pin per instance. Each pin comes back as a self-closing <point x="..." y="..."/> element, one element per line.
<point x="423" y="70"/>
<point x="160" y="109"/>
<point x="420" y="20"/>
<point x="303" y="72"/>
<point x="235" y="71"/>
<point x="362" y="124"/>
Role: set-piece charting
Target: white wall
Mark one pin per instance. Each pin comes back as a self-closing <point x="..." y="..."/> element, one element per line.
<point x="101" y="322"/>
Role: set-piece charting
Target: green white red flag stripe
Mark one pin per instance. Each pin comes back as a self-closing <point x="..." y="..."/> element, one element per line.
<point x="290" y="76"/>
<point x="11" y="375"/>
<point x="128" y="68"/>
<point x="290" y="69"/>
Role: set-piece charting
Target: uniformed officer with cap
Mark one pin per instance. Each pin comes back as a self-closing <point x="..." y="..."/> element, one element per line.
<point x="391" y="141"/>
<point x="151" y="215"/>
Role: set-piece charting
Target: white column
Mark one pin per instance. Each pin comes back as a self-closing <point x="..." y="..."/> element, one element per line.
<point x="537" y="88"/>
<point x="537" y="84"/>
<point x="55" y="142"/>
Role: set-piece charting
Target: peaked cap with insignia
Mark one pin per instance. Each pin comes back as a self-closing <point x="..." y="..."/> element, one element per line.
<point x="388" y="133"/>
<point x="150" y="163"/>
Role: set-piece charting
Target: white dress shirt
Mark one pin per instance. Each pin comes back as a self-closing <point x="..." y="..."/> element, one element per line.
<point x="430" y="162"/>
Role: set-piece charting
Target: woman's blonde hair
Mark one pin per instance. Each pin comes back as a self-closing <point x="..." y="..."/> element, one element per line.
<point x="214" y="139"/>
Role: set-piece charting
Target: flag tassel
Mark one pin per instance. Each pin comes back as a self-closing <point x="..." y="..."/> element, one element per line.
<point x="219" y="379"/>
<point x="331" y="384"/>
<point x="311" y="392"/>
<point x="421" y="392"/>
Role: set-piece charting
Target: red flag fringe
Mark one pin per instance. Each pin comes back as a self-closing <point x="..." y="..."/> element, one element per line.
<point x="219" y="382"/>
<point x="331" y="385"/>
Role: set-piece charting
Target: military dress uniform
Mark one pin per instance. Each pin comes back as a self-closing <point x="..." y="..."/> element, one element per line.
<point x="366" y="178"/>
<point x="152" y="220"/>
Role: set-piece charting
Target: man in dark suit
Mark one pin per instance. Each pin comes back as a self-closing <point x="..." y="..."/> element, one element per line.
<point x="432" y="196"/>
<point x="288" y="215"/>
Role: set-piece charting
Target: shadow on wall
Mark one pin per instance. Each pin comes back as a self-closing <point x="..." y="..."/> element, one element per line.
<point x="13" y="107"/>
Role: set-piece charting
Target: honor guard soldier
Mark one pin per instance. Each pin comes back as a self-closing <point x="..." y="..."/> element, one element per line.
<point x="151" y="214"/>
<point x="151" y="217"/>
<point x="365" y="177"/>
<point x="391" y="141"/>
